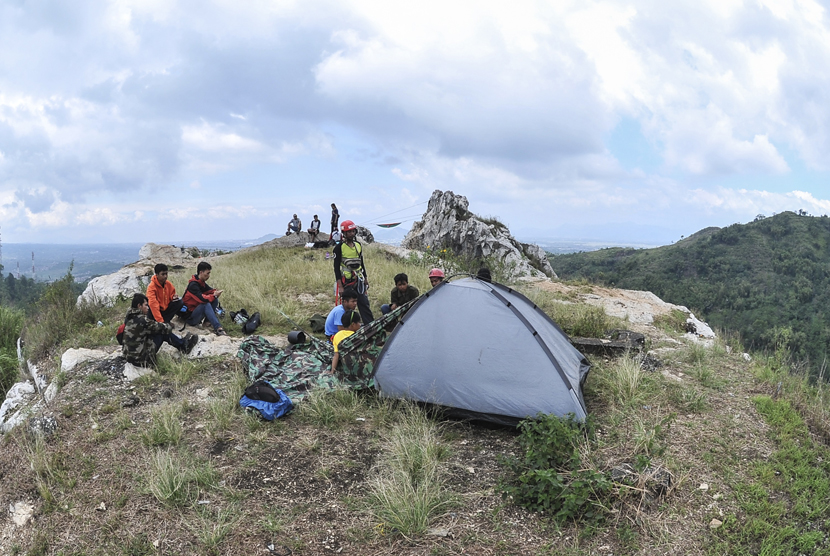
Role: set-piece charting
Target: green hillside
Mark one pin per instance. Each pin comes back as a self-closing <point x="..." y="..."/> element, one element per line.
<point x="768" y="279"/>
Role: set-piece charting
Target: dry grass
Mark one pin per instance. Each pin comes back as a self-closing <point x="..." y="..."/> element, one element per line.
<point x="322" y="481"/>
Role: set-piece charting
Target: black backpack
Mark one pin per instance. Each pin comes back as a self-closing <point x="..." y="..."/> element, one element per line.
<point x="261" y="390"/>
<point x="252" y="324"/>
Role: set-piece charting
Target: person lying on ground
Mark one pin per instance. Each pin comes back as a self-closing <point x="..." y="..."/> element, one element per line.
<point x="349" y="303"/>
<point x="143" y="336"/>
<point x="203" y="300"/>
<point x="350" y="270"/>
<point x="294" y="226"/>
<point x="315" y="229"/>
<point x="401" y="294"/>
<point x="436" y="276"/>
<point x="351" y="324"/>
<point x="164" y="303"/>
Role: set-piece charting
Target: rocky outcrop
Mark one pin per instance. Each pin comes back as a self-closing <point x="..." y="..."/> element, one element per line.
<point x="127" y="281"/>
<point x="364" y="235"/>
<point x="448" y="224"/>
<point x="172" y="256"/>
<point x="134" y="277"/>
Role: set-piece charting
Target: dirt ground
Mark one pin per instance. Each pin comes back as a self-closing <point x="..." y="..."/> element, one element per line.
<point x="301" y="489"/>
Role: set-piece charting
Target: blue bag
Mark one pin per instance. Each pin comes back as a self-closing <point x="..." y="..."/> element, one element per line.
<point x="269" y="410"/>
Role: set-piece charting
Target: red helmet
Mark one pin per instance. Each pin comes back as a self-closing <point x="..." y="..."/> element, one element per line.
<point x="347" y="225"/>
<point x="436" y="273"/>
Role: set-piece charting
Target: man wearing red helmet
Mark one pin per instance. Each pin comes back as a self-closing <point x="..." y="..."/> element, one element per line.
<point x="436" y="276"/>
<point x="349" y="269"/>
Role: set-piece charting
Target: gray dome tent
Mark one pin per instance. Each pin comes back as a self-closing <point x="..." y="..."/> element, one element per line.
<point x="484" y="350"/>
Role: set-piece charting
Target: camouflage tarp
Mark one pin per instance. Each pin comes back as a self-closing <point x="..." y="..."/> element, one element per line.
<point x="299" y="368"/>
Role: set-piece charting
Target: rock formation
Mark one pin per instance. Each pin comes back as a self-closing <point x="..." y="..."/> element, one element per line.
<point x="364" y="236"/>
<point x="134" y="277"/>
<point x="448" y="224"/>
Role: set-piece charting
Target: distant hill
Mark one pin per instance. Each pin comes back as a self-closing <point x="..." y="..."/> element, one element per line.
<point x="768" y="280"/>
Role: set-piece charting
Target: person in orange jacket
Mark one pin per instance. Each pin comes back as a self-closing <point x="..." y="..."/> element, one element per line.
<point x="161" y="294"/>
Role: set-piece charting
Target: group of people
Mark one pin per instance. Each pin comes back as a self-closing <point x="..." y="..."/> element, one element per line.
<point x="295" y="225"/>
<point x="147" y="324"/>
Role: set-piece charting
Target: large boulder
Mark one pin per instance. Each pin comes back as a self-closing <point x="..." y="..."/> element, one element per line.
<point x="364" y="235"/>
<point x="172" y="256"/>
<point x="127" y="281"/>
<point x="448" y="224"/>
<point x="134" y="277"/>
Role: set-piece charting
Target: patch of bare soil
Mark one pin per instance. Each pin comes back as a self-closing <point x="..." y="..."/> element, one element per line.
<point x="639" y="307"/>
<point x="289" y="487"/>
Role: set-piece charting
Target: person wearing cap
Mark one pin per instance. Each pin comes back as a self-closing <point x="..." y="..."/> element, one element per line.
<point x="436" y="276"/>
<point x="351" y="324"/>
<point x="350" y="270"/>
<point x="294" y="226"/>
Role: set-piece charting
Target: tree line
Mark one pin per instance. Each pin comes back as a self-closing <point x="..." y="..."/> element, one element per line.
<point x="768" y="279"/>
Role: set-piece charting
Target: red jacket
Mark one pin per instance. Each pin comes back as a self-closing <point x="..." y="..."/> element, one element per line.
<point x="198" y="292"/>
<point x="159" y="297"/>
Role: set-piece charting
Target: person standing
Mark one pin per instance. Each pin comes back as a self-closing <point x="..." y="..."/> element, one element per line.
<point x="350" y="270"/>
<point x="335" y="218"/>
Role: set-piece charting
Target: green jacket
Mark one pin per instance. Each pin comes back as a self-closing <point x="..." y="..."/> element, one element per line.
<point x="139" y="348"/>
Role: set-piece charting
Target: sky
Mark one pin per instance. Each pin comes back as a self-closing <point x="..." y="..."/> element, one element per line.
<point x="644" y="121"/>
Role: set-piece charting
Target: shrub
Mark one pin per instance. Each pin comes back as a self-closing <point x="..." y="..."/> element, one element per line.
<point x="11" y="323"/>
<point x="58" y="317"/>
<point x="550" y="476"/>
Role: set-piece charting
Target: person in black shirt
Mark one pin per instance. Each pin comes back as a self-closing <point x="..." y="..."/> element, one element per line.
<point x="402" y="293"/>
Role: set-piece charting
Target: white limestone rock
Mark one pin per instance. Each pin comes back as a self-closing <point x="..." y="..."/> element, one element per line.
<point x="126" y="282"/>
<point x="18" y="396"/>
<point x="21" y="512"/>
<point x="168" y="254"/>
<point x="71" y="358"/>
<point x="131" y="372"/>
<point x="699" y="328"/>
<point x="448" y="224"/>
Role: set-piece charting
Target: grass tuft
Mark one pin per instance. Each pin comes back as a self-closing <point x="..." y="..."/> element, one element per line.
<point x="409" y="490"/>
<point x="165" y="426"/>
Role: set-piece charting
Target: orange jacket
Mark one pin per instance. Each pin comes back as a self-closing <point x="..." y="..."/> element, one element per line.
<point x="159" y="297"/>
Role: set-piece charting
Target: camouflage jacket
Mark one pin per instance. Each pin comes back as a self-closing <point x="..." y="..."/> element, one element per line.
<point x="139" y="330"/>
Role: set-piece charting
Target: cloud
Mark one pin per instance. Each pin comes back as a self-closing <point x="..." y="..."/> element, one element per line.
<point x="513" y="104"/>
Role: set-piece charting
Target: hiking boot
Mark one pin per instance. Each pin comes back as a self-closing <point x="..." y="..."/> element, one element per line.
<point x="190" y="341"/>
<point x="221" y="332"/>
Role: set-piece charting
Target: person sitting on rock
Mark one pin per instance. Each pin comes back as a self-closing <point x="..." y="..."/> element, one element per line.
<point x="164" y="303"/>
<point x="203" y="300"/>
<point x="349" y="303"/>
<point x="436" y="276"/>
<point x="294" y="226"/>
<point x="401" y="294"/>
<point x="143" y="336"/>
<point x="350" y="323"/>
<point x="314" y="230"/>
